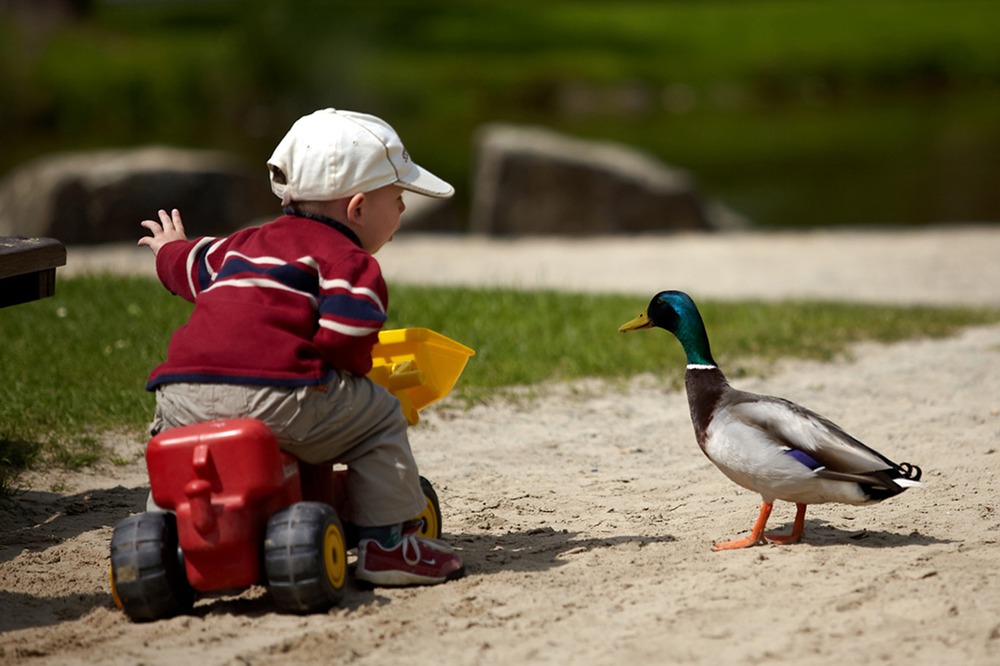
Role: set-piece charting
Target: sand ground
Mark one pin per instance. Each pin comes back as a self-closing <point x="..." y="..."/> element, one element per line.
<point x="585" y="512"/>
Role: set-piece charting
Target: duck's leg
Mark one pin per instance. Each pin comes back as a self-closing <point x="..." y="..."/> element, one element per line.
<point x="798" y="528"/>
<point x="756" y="535"/>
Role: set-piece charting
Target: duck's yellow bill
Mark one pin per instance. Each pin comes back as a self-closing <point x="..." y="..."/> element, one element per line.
<point x="642" y="321"/>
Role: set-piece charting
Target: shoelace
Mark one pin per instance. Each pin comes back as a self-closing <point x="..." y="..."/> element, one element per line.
<point x="411" y="544"/>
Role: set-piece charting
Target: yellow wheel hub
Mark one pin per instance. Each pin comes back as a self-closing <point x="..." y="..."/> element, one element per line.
<point x="431" y="529"/>
<point x="334" y="556"/>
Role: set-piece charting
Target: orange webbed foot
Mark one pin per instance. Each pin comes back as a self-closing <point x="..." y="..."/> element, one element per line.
<point x="756" y="534"/>
<point x="736" y="544"/>
<point x="782" y="539"/>
<point x="798" y="529"/>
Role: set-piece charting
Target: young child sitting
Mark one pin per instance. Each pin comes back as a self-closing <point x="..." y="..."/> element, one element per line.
<point x="285" y="316"/>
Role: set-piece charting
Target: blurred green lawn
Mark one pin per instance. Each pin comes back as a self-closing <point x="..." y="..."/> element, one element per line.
<point x="794" y="113"/>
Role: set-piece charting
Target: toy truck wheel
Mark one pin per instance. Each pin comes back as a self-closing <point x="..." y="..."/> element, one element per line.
<point x="147" y="568"/>
<point x="305" y="557"/>
<point x="431" y="515"/>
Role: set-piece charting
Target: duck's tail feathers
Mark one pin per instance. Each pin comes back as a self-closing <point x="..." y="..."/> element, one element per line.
<point x="908" y="472"/>
<point x="908" y="476"/>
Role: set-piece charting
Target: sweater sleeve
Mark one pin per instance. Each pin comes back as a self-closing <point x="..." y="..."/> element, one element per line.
<point x="182" y="266"/>
<point x="352" y="310"/>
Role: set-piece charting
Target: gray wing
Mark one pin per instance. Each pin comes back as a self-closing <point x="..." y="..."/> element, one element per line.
<point x="795" y="427"/>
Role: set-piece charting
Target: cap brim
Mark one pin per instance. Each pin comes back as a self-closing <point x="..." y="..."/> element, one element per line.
<point x="423" y="182"/>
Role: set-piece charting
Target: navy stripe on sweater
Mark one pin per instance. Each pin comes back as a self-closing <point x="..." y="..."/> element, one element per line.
<point x="289" y="275"/>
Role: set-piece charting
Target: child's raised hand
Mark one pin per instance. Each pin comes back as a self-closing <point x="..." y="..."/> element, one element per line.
<point x="169" y="228"/>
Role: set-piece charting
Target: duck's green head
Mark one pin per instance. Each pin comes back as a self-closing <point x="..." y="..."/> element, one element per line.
<point x="676" y="312"/>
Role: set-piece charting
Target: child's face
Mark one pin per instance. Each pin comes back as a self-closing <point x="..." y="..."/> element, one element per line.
<point x="380" y="213"/>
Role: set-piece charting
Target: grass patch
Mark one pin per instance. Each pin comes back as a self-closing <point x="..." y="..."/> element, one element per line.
<point x="523" y="337"/>
<point x="75" y="365"/>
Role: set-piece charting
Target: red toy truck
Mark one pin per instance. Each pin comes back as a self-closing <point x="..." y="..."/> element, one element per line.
<point x="242" y="512"/>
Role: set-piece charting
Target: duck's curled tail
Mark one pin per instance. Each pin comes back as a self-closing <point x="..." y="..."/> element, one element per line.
<point x="909" y="475"/>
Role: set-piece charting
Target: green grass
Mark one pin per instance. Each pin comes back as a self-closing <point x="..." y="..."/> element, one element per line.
<point x="527" y="337"/>
<point x="75" y="364"/>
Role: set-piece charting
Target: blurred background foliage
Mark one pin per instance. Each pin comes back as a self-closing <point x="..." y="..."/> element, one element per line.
<point x="795" y="113"/>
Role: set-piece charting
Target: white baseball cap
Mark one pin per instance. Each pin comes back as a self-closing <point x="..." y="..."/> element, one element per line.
<point x="330" y="154"/>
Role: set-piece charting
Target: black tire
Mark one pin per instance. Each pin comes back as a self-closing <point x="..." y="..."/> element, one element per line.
<point x="305" y="558"/>
<point x="431" y="515"/>
<point x="147" y="568"/>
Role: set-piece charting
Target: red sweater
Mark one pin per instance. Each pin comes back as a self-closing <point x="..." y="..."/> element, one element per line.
<point x="283" y="304"/>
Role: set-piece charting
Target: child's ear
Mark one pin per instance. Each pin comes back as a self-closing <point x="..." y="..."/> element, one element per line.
<point x="355" y="208"/>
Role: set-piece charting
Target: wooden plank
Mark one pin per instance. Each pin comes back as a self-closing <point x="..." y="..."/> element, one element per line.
<point x="19" y="256"/>
<point x="28" y="268"/>
<point x="28" y="287"/>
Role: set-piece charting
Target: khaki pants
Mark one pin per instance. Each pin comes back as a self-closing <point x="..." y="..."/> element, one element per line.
<point x="352" y="420"/>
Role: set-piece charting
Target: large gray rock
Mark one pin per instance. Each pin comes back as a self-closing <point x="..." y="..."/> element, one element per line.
<point x="532" y="181"/>
<point x="101" y="196"/>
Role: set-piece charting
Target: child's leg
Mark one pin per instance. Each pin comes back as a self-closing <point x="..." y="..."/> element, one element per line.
<point x="382" y="482"/>
<point x="357" y="422"/>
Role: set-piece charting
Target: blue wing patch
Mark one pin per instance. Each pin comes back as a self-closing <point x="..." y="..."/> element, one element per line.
<point x="804" y="458"/>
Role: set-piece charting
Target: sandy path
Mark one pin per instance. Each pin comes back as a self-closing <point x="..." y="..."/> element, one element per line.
<point x="586" y="512"/>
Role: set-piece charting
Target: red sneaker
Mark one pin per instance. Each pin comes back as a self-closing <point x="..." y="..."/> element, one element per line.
<point x="413" y="561"/>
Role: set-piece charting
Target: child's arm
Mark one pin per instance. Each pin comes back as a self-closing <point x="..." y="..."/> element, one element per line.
<point x="169" y="228"/>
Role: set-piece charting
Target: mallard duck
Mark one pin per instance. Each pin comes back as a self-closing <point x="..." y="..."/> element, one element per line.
<point x="766" y="444"/>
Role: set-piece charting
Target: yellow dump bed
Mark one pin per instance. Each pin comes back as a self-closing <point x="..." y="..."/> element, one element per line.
<point x="418" y="365"/>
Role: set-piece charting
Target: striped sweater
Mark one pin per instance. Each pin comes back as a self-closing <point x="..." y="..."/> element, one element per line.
<point x="283" y="304"/>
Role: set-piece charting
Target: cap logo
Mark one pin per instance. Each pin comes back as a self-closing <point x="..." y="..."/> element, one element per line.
<point x="406" y="155"/>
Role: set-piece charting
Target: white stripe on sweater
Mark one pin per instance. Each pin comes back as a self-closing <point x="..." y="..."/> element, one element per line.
<point x="263" y="282"/>
<point x="347" y="329"/>
<point x="261" y="261"/>
<point x="191" y="258"/>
